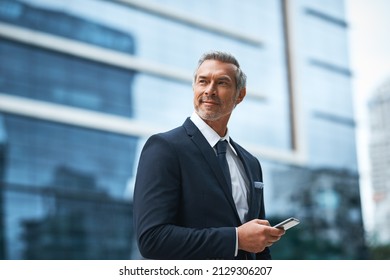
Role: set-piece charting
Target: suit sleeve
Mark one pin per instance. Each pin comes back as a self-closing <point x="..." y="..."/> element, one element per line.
<point x="157" y="196"/>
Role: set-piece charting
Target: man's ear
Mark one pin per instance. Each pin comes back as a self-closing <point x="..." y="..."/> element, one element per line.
<point x="241" y="96"/>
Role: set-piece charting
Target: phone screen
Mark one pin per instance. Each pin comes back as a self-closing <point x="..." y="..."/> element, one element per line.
<point x="288" y="223"/>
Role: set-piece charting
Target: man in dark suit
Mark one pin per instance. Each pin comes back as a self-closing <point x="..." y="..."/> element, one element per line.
<point x="187" y="203"/>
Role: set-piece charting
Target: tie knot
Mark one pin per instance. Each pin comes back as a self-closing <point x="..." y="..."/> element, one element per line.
<point x="221" y="147"/>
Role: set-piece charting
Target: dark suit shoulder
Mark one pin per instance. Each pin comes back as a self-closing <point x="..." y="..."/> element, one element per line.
<point x="176" y="135"/>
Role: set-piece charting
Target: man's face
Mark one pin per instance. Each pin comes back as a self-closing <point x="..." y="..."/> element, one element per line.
<point x="215" y="93"/>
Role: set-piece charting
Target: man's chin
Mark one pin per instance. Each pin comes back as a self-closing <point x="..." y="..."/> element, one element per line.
<point x="207" y="115"/>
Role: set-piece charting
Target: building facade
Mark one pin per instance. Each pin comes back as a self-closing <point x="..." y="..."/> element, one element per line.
<point x="83" y="86"/>
<point x="379" y="114"/>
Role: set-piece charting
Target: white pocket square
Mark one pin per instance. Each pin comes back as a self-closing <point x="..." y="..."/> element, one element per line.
<point x="259" y="185"/>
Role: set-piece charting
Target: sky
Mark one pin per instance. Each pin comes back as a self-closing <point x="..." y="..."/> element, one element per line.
<point x="369" y="42"/>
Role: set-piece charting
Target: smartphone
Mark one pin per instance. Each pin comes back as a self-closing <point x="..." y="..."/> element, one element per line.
<point x="288" y="223"/>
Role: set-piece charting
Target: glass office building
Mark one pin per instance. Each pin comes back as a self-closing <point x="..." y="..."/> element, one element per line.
<point x="84" y="83"/>
<point x="379" y="113"/>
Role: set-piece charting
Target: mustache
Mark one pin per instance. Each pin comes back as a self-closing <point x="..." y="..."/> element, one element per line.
<point x="210" y="98"/>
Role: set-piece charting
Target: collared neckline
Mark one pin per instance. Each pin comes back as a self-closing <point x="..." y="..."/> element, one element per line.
<point x="210" y="134"/>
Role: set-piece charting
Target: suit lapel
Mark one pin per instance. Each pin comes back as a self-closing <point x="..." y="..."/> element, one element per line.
<point x="208" y="153"/>
<point x="252" y="199"/>
<point x="210" y="158"/>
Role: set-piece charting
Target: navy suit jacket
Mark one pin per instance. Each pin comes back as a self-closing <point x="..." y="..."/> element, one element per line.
<point x="183" y="208"/>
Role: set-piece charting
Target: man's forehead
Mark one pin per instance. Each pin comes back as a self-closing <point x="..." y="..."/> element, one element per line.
<point x="217" y="66"/>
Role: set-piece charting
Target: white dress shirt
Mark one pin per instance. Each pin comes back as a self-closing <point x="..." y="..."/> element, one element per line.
<point x="237" y="172"/>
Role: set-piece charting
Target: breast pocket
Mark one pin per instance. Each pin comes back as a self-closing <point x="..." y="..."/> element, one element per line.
<point x="257" y="198"/>
<point x="258" y="185"/>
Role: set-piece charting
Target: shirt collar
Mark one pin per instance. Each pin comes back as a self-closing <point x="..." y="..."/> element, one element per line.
<point x="211" y="136"/>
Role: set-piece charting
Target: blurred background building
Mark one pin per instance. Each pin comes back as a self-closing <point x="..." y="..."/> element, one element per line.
<point x="84" y="83"/>
<point x="379" y="112"/>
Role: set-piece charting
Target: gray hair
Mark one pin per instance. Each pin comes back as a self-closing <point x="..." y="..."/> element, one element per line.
<point x="227" y="58"/>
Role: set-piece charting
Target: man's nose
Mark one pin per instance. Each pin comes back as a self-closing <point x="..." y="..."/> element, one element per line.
<point x="211" y="89"/>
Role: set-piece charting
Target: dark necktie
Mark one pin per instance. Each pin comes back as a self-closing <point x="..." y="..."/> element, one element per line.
<point x="221" y="154"/>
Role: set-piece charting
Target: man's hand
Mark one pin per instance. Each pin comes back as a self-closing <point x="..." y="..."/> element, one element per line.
<point x="255" y="235"/>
